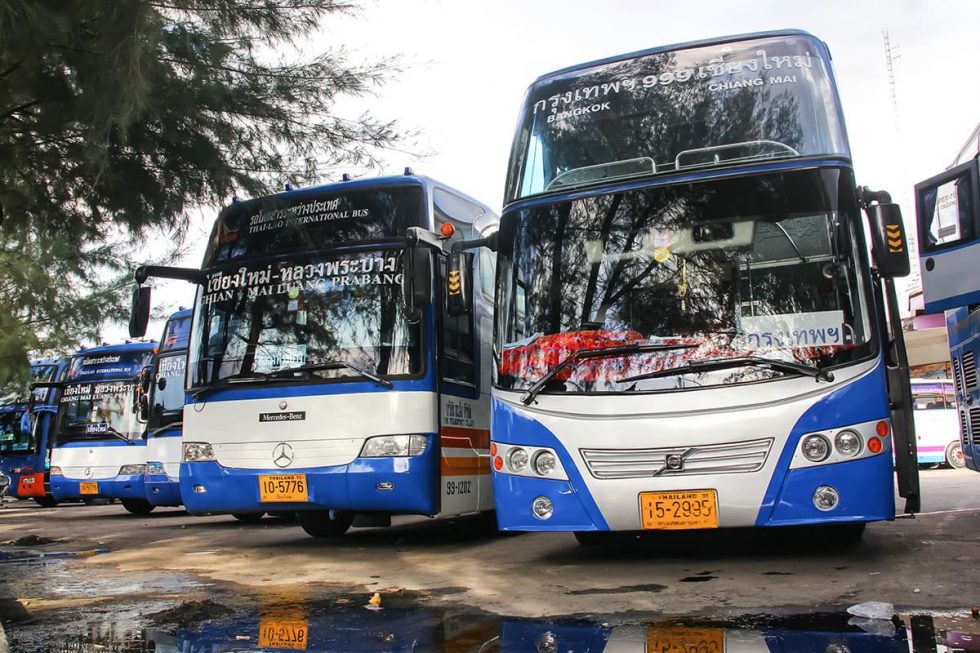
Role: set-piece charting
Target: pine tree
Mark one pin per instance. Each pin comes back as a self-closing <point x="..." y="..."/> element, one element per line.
<point x="117" y="116"/>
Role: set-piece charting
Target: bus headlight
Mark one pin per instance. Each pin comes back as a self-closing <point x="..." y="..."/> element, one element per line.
<point x="154" y="468"/>
<point x="132" y="470"/>
<point x="517" y="459"/>
<point x="55" y="471"/>
<point x="848" y="443"/>
<point x="816" y="448"/>
<point x="196" y="452"/>
<point x="544" y="462"/>
<point x="386" y="446"/>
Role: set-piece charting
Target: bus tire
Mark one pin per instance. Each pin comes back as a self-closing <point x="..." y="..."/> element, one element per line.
<point x="248" y="517"/>
<point x="325" y="523"/>
<point x="138" y="507"/>
<point x="592" y="538"/>
<point x="46" y="501"/>
<point x="954" y="455"/>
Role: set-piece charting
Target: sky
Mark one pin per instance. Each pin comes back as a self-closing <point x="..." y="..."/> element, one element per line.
<point x="467" y="63"/>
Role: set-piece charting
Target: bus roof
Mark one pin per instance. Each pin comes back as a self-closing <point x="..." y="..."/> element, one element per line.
<point x="147" y="345"/>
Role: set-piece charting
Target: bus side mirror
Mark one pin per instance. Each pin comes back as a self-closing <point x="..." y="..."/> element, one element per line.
<point x="459" y="279"/>
<point x="416" y="282"/>
<point x="139" y="315"/>
<point x="889" y="245"/>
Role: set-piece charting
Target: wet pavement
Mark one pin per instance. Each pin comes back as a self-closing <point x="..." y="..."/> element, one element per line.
<point x="87" y="579"/>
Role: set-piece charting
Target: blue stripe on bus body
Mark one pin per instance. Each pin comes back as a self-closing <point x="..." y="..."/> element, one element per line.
<point x="118" y="487"/>
<point x="863" y="400"/>
<point x="81" y="444"/>
<point x="574" y="509"/>
<point x="956" y="301"/>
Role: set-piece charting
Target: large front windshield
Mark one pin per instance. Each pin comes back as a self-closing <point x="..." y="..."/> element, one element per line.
<point x="99" y="398"/>
<point x="14" y="437"/>
<point x="694" y="108"/>
<point x="334" y="315"/>
<point x="167" y="392"/>
<point x="764" y="267"/>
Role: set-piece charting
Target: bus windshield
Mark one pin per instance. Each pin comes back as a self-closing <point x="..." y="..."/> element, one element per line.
<point x="331" y="314"/>
<point x="765" y="267"/>
<point x="694" y="108"/>
<point x="101" y="410"/>
<point x="13" y="438"/>
<point x="167" y="393"/>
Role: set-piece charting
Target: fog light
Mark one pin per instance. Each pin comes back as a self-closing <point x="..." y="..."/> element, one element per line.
<point x="848" y="443"/>
<point x="825" y="498"/>
<point x="199" y="489"/>
<point x="544" y="463"/>
<point x="517" y="459"/>
<point x="542" y="508"/>
<point x="816" y="448"/>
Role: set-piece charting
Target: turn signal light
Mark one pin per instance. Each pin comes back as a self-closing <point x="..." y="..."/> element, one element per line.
<point x="493" y="448"/>
<point x="447" y="229"/>
<point x="498" y="463"/>
<point x="882" y="428"/>
<point x="874" y="444"/>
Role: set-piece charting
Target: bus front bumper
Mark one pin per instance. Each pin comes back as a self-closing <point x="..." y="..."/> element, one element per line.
<point x="404" y="485"/>
<point x="161" y="490"/>
<point x="117" y="487"/>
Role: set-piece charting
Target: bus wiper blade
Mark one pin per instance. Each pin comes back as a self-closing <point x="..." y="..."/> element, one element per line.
<point x="330" y="365"/>
<point x="599" y="352"/>
<point x="713" y="364"/>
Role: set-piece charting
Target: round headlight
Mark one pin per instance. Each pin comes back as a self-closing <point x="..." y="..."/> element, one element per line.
<point x="816" y="448"/>
<point x="542" y="508"/>
<point x="517" y="459"/>
<point x="544" y="463"/>
<point x="848" y="443"/>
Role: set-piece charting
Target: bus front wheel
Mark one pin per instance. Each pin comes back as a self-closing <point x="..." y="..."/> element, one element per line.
<point x="138" y="507"/>
<point x="325" y="523"/>
<point x="954" y="456"/>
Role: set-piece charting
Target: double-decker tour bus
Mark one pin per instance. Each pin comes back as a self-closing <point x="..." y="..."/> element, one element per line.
<point x="98" y="450"/>
<point x="165" y="412"/>
<point x="323" y="376"/>
<point x="948" y="212"/>
<point x="689" y="331"/>
<point x="25" y="447"/>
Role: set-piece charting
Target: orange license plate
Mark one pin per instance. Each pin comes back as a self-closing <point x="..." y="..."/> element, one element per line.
<point x="88" y="487"/>
<point x="685" y="640"/>
<point x="680" y="510"/>
<point x="283" y="488"/>
<point x="276" y="633"/>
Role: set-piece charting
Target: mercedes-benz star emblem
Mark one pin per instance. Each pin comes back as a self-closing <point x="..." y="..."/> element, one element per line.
<point x="282" y="455"/>
<point x="88" y="472"/>
<point x="283" y="405"/>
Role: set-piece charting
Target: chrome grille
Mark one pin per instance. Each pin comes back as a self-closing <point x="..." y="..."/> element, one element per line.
<point x="969" y="371"/>
<point x="974" y="425"/>
<point x="728" y="458"/>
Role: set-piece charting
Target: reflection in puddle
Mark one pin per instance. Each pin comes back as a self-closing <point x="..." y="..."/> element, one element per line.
<point x="345" y="625"/>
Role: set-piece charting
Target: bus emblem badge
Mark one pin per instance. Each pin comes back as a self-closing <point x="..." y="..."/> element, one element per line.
<point x="283" y="405"/>
<point x="282" y="455"/>
<point x="675" y="461"/>
<point x="87" y="473"/>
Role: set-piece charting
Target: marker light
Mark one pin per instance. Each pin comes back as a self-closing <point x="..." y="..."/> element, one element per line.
<point x="544" y="462"/>
<point x="875" y="445"/>
<point x="825" y="498"/>
<point x="848" y="443"/>
<point x="542" y="508"/>
<point x="498" y="463"/>
<point x="816" y="448"/>
<point x="517" y="460"/>
<point x="882" y="428"/>
<point x="493" y="448"/>
<point x="447" y="229"/>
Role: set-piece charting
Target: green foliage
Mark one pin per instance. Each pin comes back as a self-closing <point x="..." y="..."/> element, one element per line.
<point x="118" y="116"/>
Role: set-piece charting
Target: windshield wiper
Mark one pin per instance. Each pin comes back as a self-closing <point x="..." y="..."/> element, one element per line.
<point x="172" y="425"/>
<point x="329" y="365"/>
<point x="713" y="364"/>
<point x="224" y="382"/>
<point x="599" y="352"/>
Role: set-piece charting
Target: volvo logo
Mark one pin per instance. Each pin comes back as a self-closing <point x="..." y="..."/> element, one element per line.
<point x="282" y="455"/>
<point x="283" y="405"/>
<point x="675" y="461"/>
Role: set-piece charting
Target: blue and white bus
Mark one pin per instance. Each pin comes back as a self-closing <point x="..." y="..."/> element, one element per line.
<point x="690" y="333"/>
<point x="313" y="385"/>
<point x="165" y="412"/>
<point x="948" y="211"/>
<point x="25" y="426"/>
<point x="98" y="450"/>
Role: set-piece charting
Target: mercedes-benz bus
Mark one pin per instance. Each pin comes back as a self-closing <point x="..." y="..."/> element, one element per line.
<point x="25" y="426"/>
<point x="692" y="330"/>
<point x="313" y="384"/>
<point x="165" y="412"/>
<point x="98" y="450"/>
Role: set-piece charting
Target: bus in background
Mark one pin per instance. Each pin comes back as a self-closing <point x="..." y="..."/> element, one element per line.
<point x="313" y="385"/>
<point x="98" y="450"/>
<point x="165" y="412"/>
<point x="25" y="426"/>
<point x="689" y="331"/>
<point x="948" y="211"/>
<point x="937" y="431"/>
